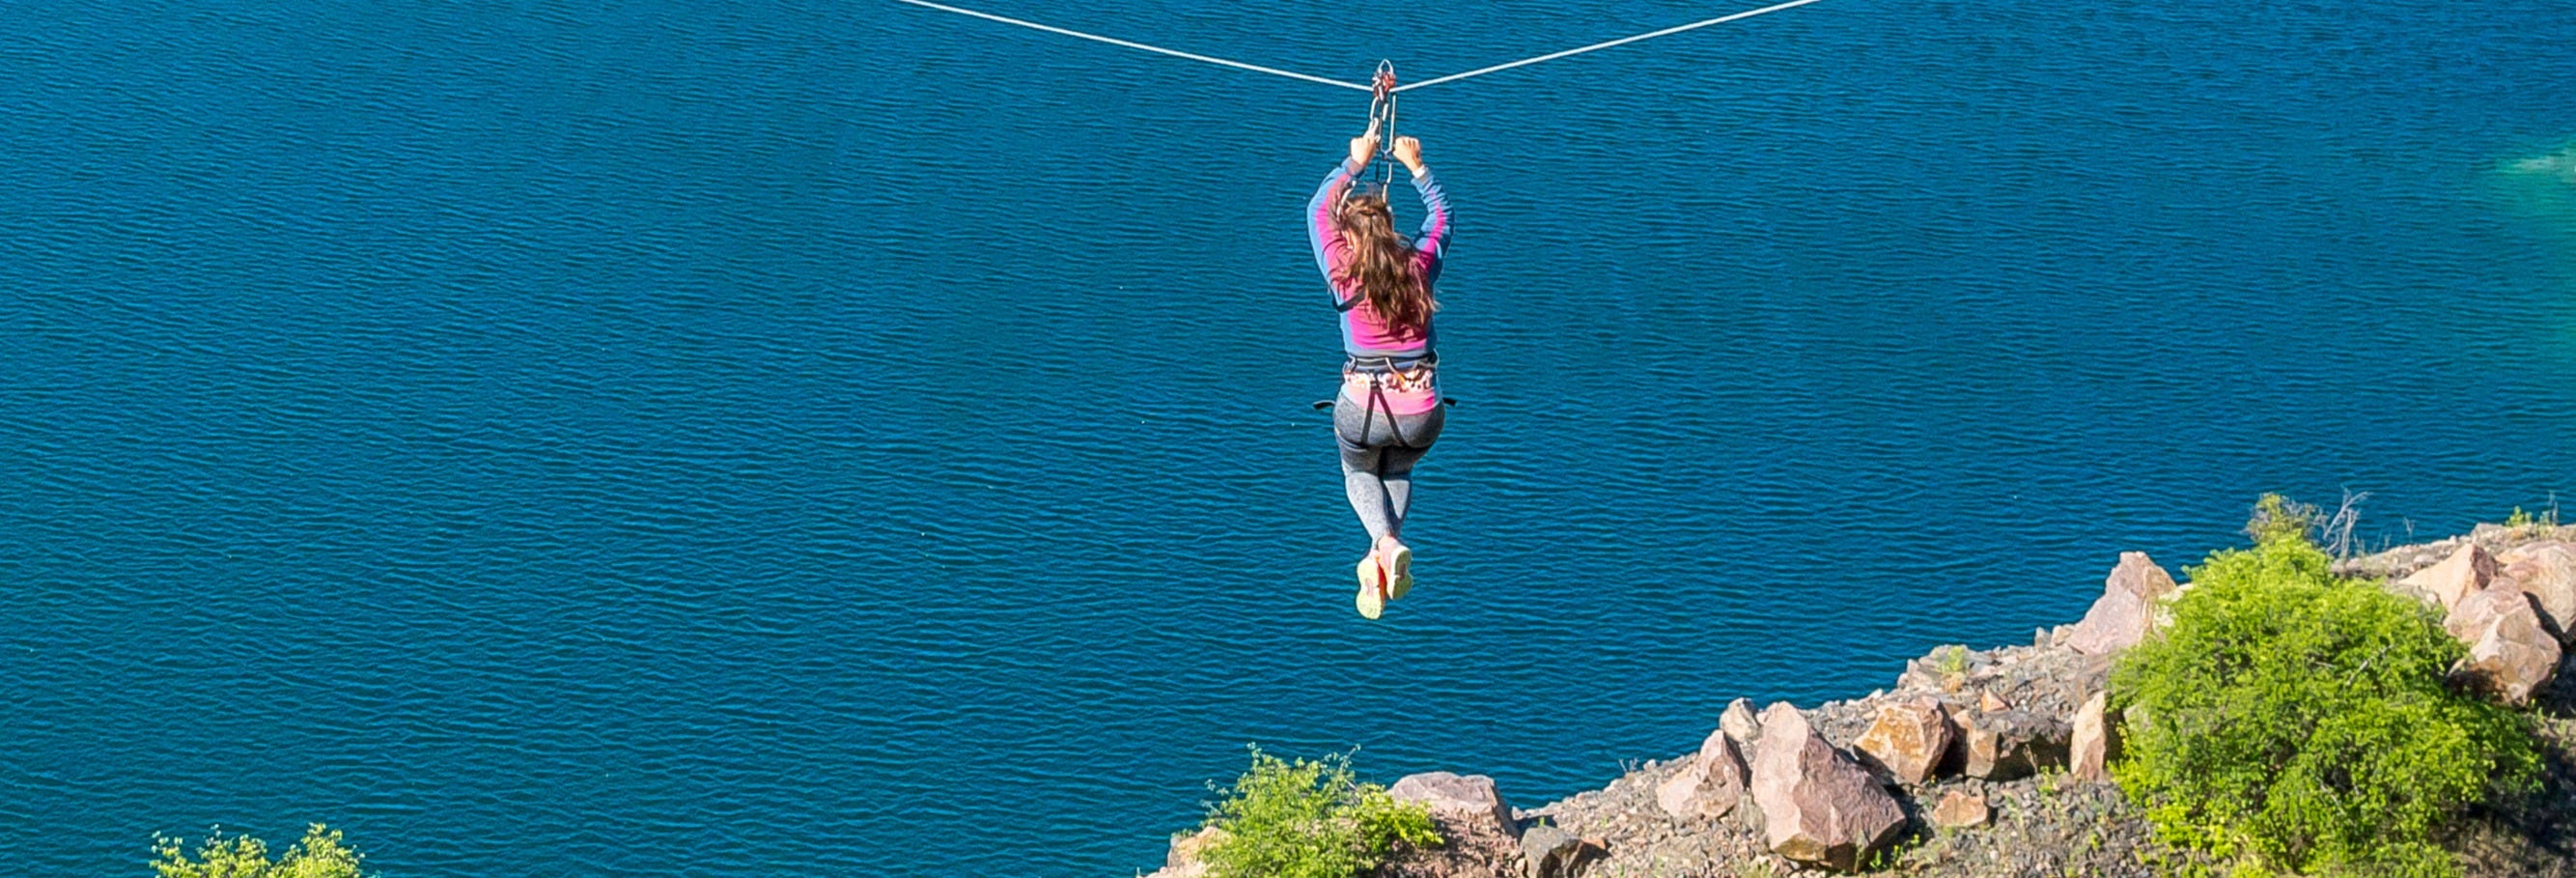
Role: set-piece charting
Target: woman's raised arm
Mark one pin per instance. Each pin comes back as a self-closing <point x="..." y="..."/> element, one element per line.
<point x="1320" y="232"/>
<point x="1434" y="238"/>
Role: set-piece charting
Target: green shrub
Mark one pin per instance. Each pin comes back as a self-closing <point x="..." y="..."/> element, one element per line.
<point x="2544" y="520"/>
<point x="1308" y="819"/>
<point x="322" y="854"/>
<point x="2293" y="720"/>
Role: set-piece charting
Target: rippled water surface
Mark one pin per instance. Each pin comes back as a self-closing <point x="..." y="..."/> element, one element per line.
<point x="842" y="438"/>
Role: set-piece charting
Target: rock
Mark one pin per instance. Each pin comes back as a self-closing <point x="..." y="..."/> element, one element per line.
<point x="1555" y="853"/>
<point x="2126" y="611"/>
<point x="2510" y="654"/>
<point x="1960" y="810"/>
<point x="2547" y="572"/>
<point x="1183" y="860"/>
<point x="1471" y="797"/>
<point x="1740" y="724"/>
<point x="2012" y="744"/>
<point x="1818" y="806"/>
<point x="2139" y="575"/>
<point x="1986" y="701"/>
<point x="2468" y="570"/>
<point x="1708" y="784"/>
<point x="1907" y="741"/>
<point x="2090" y="759"/>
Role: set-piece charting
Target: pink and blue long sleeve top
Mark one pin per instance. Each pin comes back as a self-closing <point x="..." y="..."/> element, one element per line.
<point x="1364" y="333"/>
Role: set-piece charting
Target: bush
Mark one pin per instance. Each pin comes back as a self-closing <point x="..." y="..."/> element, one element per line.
<point x="321" y="854"/>
<point x="2294" y="720"/>
<point x="1308" y="820"/>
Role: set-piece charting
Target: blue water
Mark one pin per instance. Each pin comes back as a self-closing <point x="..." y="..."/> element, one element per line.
<point x="841" y="438"/>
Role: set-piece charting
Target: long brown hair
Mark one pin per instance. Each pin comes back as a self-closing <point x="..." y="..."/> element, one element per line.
<point x="1382" y="263"/>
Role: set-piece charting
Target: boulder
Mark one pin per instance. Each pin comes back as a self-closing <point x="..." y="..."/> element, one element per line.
<point x="2126" y="611"/>
<point x="2140" y="575"/>
<point x="2510" y="654"/>
<point x="1960" y="810"/>
<point x="1184" y="858"/>
<point x="1555" y="853"/>
<point x="2012" y="744"/>
<point x="1907" y="741"/>
<point x="2466" y="571"/>
<point x="2547" y="572"/>
<point x="2090" y="758"/>
<point x="1708" y="784"/>
<point x="1818" y="806"/>
<point x="1740" y="724"/>
<point x="1470" y="798"/>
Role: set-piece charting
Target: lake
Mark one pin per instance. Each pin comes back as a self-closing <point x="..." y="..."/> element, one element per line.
<point x="847" y="438"/>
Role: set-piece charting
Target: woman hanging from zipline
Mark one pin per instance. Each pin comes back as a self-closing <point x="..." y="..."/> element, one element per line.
<point x="1388" y="412"/>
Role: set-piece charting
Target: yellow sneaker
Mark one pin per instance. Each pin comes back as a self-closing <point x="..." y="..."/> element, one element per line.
<point x="1372" y="596"/>
<point x="1398" y="563"/>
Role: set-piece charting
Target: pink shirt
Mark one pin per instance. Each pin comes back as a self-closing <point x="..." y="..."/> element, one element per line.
<point x="1365" y="333"/>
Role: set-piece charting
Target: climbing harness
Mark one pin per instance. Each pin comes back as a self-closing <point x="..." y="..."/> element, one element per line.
<point x="1372" y="88"/>
<point x="1391" y="372"/>
<point x="1384" y="373"/>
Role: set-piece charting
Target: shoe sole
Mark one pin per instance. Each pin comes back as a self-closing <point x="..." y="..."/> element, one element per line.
<point x="1372" y="597"/>
<point x="1399" y="573"/>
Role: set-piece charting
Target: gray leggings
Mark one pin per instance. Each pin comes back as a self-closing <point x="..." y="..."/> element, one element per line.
<point x="1378" y="453"/>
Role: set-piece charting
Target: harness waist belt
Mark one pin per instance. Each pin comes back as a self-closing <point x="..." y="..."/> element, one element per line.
<point x="1386" y="363"/>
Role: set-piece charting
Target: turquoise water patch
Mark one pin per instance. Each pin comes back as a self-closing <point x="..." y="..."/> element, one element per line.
<point x="2560" y="165"/>
<point x="2540" y="191"/>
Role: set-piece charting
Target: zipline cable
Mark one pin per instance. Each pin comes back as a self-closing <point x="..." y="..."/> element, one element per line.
<point x="1256" y="68"/>
<point x="1454" y="77"/>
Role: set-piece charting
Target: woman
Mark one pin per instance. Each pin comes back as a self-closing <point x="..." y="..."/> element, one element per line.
<point x="1388" y="412"/>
